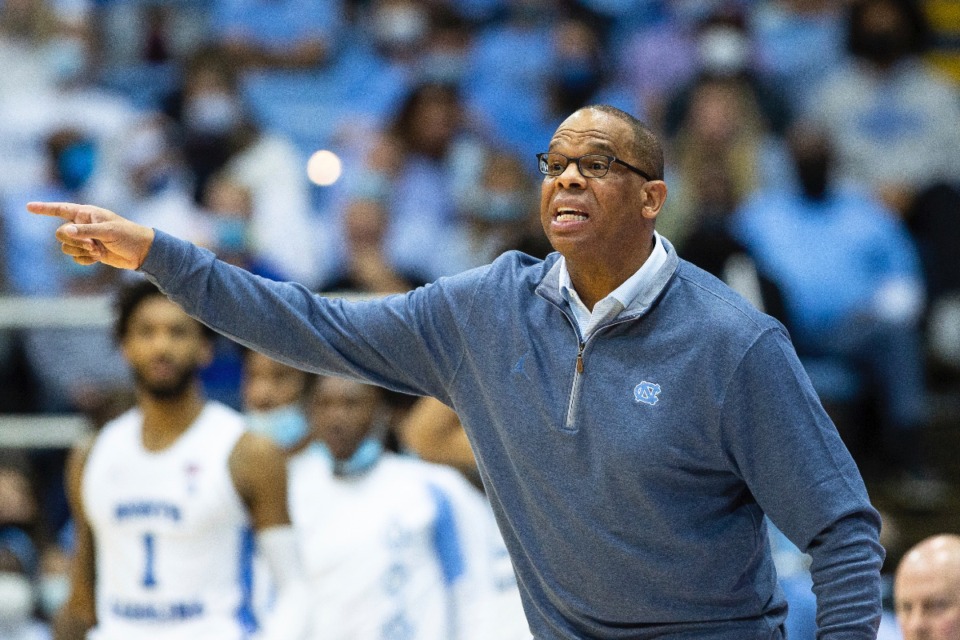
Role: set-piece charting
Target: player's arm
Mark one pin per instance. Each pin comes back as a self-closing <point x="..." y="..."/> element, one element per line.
<point x="78" y="613"/>
<point x="259" y="473"/>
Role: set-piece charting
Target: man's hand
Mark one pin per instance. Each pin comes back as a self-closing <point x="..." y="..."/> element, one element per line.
<point x="92" y="234"/>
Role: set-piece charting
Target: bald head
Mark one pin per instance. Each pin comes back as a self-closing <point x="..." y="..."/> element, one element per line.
<point x="927" y="590"/>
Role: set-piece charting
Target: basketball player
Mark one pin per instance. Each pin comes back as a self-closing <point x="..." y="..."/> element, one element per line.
<point x="170" y="499"/>
<point x="272" y="394"/>
<point x="393" y="547"/>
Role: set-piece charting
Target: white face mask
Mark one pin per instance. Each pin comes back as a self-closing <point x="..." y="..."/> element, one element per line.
<point x="16" y="601"/>
<point x="400" y="26"/>
<point x="212" y="113"/>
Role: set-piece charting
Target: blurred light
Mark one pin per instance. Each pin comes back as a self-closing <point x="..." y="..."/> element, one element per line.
<point x="324" y="168"/>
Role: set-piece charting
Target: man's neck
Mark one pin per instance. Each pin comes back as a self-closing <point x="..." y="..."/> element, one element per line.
<point x="165" y="419"/>
<point x="594" y="280"/>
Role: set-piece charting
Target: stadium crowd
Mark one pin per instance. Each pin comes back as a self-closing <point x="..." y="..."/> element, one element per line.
<point x="813" y="163"/>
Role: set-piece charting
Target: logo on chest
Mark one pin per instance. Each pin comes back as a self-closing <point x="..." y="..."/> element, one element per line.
<point x="647" y="393"/>
<point x="192" y="472"/>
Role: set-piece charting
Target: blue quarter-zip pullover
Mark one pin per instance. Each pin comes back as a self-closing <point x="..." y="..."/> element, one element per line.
<point x="629" y="472"/>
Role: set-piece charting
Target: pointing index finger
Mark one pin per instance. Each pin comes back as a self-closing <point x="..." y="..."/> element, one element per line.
<point x="65" y="210"/>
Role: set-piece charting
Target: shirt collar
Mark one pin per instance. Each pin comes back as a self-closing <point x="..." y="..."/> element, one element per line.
<point x="627" y="292"/>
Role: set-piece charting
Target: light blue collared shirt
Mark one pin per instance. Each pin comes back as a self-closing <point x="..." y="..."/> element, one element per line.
<point x="618" y="299"/>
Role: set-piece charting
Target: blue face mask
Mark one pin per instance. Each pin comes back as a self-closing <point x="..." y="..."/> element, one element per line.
<point x="75" y="164"/>
<point x="362" y="459"/>
<point x="286" y="426"/>
<point x="230" y="233"/>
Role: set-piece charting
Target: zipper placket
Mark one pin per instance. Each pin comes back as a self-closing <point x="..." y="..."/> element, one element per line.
<point x="572" y="405"/>
<point x="575" y="390"/>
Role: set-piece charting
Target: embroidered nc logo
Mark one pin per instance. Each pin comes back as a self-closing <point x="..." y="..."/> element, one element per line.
<point x="646" y="392"/>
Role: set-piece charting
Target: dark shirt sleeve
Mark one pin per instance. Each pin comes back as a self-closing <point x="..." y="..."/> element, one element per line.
<point x="789" y="454"/>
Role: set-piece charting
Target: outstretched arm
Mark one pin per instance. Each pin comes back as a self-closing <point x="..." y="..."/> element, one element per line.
<point x="90" y="234"/>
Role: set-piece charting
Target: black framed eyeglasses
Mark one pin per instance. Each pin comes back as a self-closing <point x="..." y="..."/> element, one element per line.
<point x="593" y="165"/>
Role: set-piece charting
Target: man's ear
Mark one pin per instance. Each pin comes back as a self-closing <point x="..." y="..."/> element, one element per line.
<point x="654" y="195"/>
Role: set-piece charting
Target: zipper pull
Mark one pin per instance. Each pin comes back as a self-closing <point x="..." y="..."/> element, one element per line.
<point x="580" y="358"/>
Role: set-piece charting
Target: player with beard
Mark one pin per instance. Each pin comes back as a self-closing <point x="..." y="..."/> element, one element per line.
<point x="170" y="499"/>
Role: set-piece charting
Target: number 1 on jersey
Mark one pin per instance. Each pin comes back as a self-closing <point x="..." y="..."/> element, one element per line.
<point x="149" y="580"/>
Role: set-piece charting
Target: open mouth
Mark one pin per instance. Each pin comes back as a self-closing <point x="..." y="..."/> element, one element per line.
<point x="567" y="214"/>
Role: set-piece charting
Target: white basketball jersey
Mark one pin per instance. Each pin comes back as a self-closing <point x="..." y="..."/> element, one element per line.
<point x="172" y="537"/>
<point x="370" y="549"/>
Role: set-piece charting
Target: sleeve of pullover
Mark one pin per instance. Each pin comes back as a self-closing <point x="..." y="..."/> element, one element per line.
<point x="846" y="580"/>
<point x="410" y="343"/>
<point x="789" y="454"/>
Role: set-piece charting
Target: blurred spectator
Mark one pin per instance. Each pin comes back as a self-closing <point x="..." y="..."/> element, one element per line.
<point x="159" y="180"/>
<point x="34" y="267"/>
<point x="787" y="33"/>
<point x="579" y="67"/>
<point x="219" y="137"/>
<point x="141" y="45"/>
<point x="712" y="243"/>
<point x="277" y="34"/>
<point x="228" y="209"/>
<point x="413" y="558"/>
<point x="660" y="58"/>
<point x="432" y="431"/>
<point x="225" y="227"/>
<point x="567" y="68"/>
<point x="368" y="266"/>
<point x="272" y="398"/>
<point x="382" y="59"/>
<point x="27" y="33"/>
<point x="510" y="64"/>
<point x="893" y="119"/>
<point x="39" y="40"/>
<point x="723" y="47"/>
<point x="209" y="111"/>
<point x="934" y="221"/>
<point x="723" y="129"/>
<point x="853" y="292"/>
<point x="927" y="589"/>
<point x="496" y="214"/>
<point x="423" y="165"/>
<point x="38" y="269"/>
<point x="446" y="49"/>
<point x="60" y="94"/>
